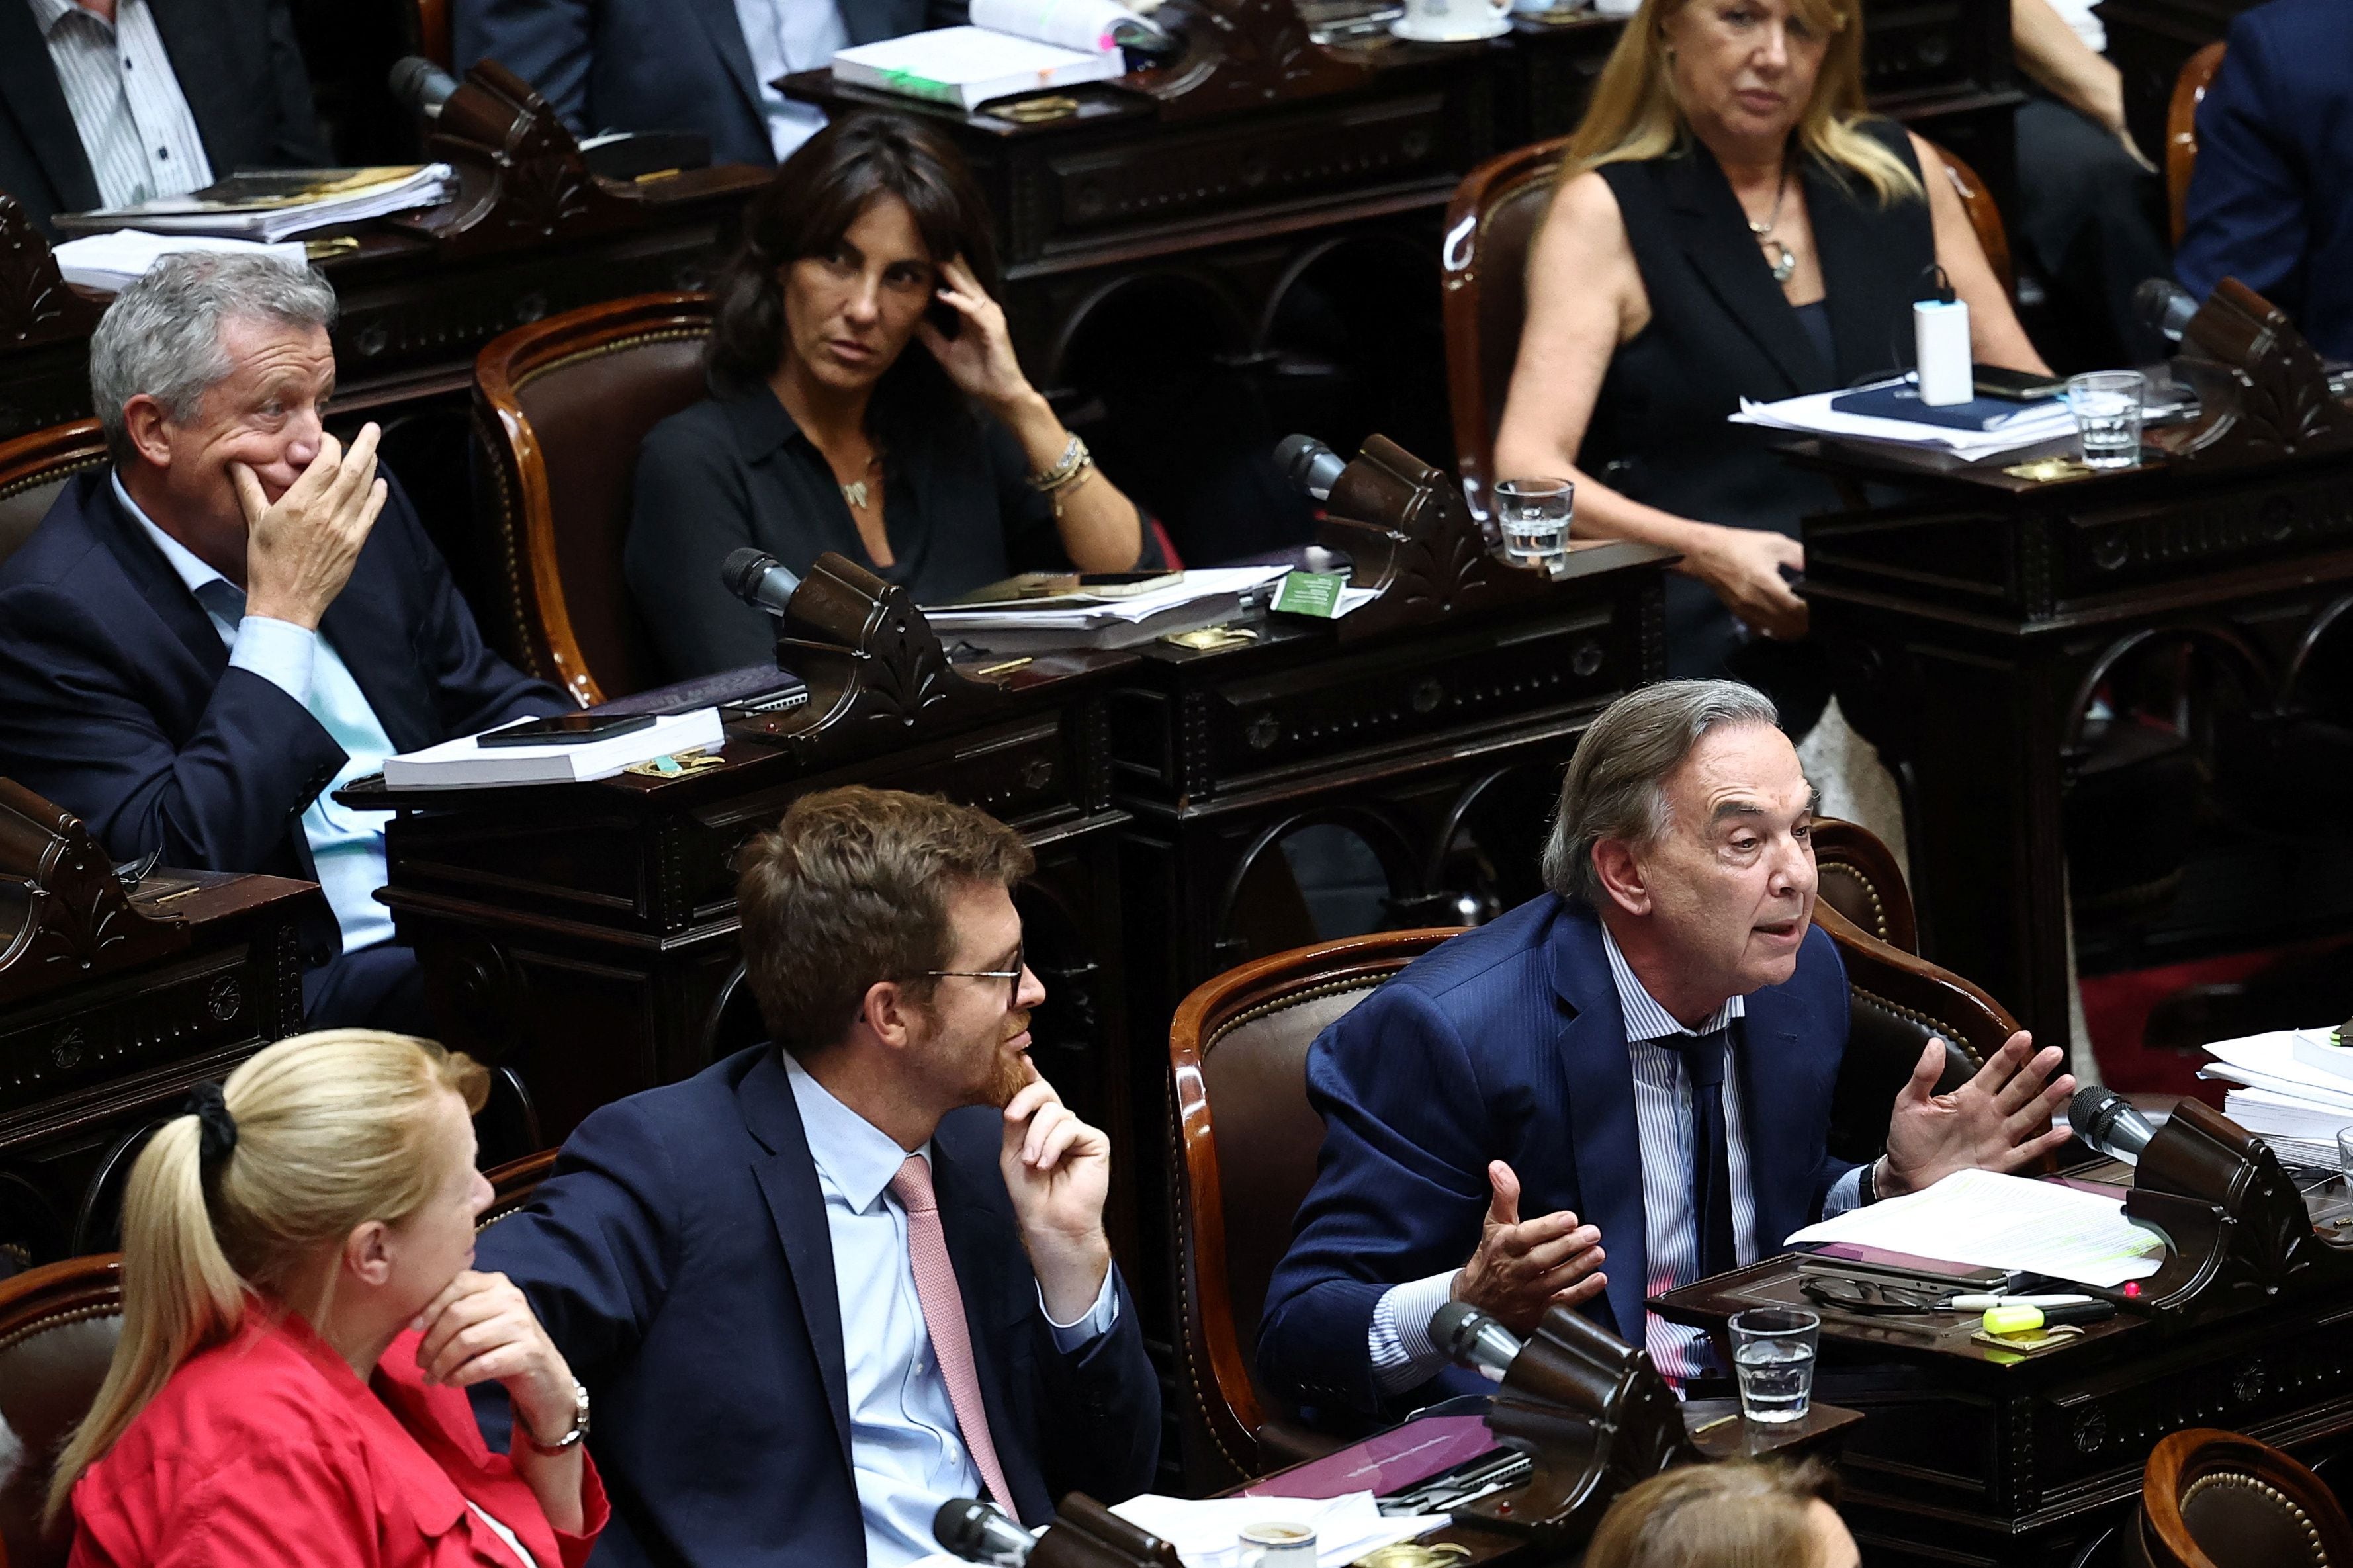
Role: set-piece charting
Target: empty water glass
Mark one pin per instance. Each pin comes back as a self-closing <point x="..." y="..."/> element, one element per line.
<point x="2107" y="408"/>
<point x="1533" y="515"/>
<point x="1772" y="1361"/>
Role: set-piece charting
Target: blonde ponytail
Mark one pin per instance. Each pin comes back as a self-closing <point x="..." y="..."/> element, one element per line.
<point x="332" y="1130"/>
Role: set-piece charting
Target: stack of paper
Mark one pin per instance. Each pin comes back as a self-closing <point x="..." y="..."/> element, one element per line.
<point x="1208" y="1533"/>
<point x="1987" y="1220"/>
<point x="2295" y="1091"/>
<point x="270" y="203"/>
<point x="109" y="263"/>
<point x="1190" y="599"/>
<point x="462" y="764"/>
<point x="1813" y="416"/>
<point x="1013" y="46"/>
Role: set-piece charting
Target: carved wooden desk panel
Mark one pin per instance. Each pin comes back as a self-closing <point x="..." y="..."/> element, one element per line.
<point x="1970" y="624"/>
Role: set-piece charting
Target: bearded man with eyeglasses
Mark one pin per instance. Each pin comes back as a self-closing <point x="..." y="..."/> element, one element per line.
<point x="840" y="1277"/>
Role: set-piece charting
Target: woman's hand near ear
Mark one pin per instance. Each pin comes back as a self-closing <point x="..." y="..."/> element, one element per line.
<point x="979" y="358"/>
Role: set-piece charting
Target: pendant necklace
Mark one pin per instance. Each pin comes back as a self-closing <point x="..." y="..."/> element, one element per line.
<point x="855" y="491"/>
<point x="1784" y="258"/>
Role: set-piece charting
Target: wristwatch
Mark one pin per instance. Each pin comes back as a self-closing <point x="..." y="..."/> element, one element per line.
<point x="571" y="1439"/>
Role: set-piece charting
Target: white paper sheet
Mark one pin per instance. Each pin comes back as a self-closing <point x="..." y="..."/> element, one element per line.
<point x="1813" y="416"/>
<point x="110" y="261"/>
<point x="1987" y="1220"/>
<point x="1206" y="1532"/>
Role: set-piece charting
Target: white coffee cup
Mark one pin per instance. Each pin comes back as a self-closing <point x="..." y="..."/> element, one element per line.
<point x="1454" y="19"/>
<point x="1277" y="1544"/>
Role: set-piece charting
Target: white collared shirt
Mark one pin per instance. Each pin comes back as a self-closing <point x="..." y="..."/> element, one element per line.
<point x="906" y="1451"/>
<point x="126" y="102"/>
<point x="346" y="845"/>
<point x="782" y="36"/>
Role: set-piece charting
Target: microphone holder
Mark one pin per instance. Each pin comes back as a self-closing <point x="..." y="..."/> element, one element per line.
<point x="1403" y="527"/>
<point x="1595" y="1418"/>
<point x="1086" y="1534"/>
<point x="2239" y="1231"/>
<point x="2262" y="391"/>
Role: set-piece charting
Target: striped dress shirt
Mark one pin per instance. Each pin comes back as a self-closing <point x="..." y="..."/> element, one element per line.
<point x="134" y="123"/>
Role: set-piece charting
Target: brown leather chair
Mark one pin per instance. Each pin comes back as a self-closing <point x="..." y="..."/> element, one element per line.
<point x="433" y="29"/>
<point x="1240" y="1043"/>
<point x="560" y="407"/>
<point x="2181" y="129"/>
<point x="511" y="1185"/>
<point x="58" y="1325"/>
<point x="2218" y="1499"/>
<point x="35" y="467"/>
<point x="1860" y="881"/>
<point x="1490" y="225"/>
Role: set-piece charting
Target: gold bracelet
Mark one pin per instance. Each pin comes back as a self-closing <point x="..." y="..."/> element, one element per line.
<point x="1070" y="486"/>
<point x="1073" y="459"/>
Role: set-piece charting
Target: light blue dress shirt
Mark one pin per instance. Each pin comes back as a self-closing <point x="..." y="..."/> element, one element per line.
<point x="1402" y="1354"/>
<point x="346" y="845"/>
<point x="905" y="1447"/>
<point x="784" y="36"/>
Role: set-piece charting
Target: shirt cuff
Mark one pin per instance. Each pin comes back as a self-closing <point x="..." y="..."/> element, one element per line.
<point x="1091" y="1325"/>
<point x="1399" y="1338"/>
<point x="1845" y="1193"/>
<point x="281" y="652"/>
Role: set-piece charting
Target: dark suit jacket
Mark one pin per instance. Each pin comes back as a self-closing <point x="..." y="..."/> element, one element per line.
<point x="1508" y="1043"/>
<point x="679" y="1259"/>
<point x="117" y="700"/>
<point x="238" y="67"/>
<point x="657" y="65"/>
<point x="2271" y="202"/>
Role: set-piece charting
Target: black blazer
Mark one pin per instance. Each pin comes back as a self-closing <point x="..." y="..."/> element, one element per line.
<point x="657" y="65"/>
<point x="118" y="702"/>
<point x="238" y="66"/>
<point x="679" y="1258"/>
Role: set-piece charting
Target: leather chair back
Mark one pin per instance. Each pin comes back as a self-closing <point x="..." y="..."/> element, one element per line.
<point x="2218" y="1499"/>
<point x="1860" y="880"/>
<point x="35" y="467"/>
<point x="560" y="407"/>
<point x="2181" y="129"/>
<point x="58" y="1325"/>
<point x="1246" y="1139"/>
<point x="1240" y="1042"/>
<point x="1491" y="225"/>
<point x="512" y="1187"/>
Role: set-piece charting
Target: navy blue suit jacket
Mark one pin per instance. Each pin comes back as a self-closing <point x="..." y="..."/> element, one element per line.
<point x="118" y="702"/>
<point x="679" y="1258"/>
<point x="657" y="65"/>
<point x="1508" y="1043"/>
<point x="2271" y="202"/>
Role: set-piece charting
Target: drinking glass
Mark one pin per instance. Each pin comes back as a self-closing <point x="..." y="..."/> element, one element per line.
<point x="2107" y="408"/>
<point x="1533" y="515"/>
<point x="2345" y="1155"/>
<point x="1772" y="1361"/>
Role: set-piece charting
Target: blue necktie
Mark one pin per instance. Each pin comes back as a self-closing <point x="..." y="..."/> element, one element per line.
<point x="1704" y="1059"/>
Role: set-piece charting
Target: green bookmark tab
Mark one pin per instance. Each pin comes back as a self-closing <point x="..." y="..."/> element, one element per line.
<point x="1311" y="594"/>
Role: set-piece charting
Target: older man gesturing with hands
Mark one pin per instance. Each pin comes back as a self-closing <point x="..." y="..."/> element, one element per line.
<point x="1641" y="1062"/>
<point x="199" y="645"/>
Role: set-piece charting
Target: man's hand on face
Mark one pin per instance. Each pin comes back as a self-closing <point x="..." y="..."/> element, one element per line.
<point x="300" y="549"/>
<point x="1058" y="1169"/>
<point x="1524" y="1266"/>
<point x="1999" y="1121"/>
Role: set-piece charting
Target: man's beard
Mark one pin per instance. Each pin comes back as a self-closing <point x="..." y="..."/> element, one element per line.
<point x="1011" y="1073"/>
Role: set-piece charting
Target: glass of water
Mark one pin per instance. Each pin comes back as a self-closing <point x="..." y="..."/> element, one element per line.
<point x="1533" y="516"/>
<point x="2107" y="408"/>
<point x="1772" y="1361"/>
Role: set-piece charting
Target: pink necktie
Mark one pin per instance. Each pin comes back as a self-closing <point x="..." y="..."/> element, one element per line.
<point x="935" y="1289"/>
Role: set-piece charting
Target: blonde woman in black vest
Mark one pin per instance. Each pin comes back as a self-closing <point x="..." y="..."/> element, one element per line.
<point x="1730" y="222"/>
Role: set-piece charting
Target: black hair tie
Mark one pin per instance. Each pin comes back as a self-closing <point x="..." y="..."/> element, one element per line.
<point x="215" y="1128"/>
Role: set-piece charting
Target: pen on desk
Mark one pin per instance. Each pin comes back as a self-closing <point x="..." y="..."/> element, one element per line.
<point x="1980" y="1303"/>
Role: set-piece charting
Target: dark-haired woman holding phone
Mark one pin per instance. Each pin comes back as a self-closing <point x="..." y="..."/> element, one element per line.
<point x="941" y="469"/>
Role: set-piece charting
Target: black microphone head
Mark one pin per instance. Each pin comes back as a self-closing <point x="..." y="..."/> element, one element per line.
<point x="2092" y="1110"/>
<point x="2165" y="306"/>
<point x="419" y="83"/>
<point x="1453" y="1328"/>
<point x="742" y="570"/>
<point x="1296" y="455"/>
<point x="962" y="1523"/>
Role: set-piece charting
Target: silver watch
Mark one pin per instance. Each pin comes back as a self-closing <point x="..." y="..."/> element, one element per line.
<point x="570" y="1439"/>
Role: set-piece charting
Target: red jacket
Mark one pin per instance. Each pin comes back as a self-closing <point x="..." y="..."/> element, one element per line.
<point x="264" y="1449"/>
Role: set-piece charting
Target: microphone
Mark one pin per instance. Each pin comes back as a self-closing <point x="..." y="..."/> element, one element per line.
<point x="2108" y="1121"/>
<point x="756" y="578"/>
<point x="1309" y="464"/>
<point x="420" y="84"/>
<point x="972" y="1530"/>
<point x="1469" y="1337"/>
<point x="2164" y="307"/>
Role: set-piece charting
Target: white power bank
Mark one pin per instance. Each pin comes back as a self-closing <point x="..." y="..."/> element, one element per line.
<point x="1940" y="332"/>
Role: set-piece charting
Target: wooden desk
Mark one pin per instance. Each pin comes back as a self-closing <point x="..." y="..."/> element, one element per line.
<point x="111" y="1004"/>
<point x="1968" y="624"/>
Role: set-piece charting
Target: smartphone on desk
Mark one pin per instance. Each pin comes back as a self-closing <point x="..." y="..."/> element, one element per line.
<point x="564" y="729"/>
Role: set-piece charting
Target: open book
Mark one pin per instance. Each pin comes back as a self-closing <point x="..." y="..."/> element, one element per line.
<point x="1011" y="47"/>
